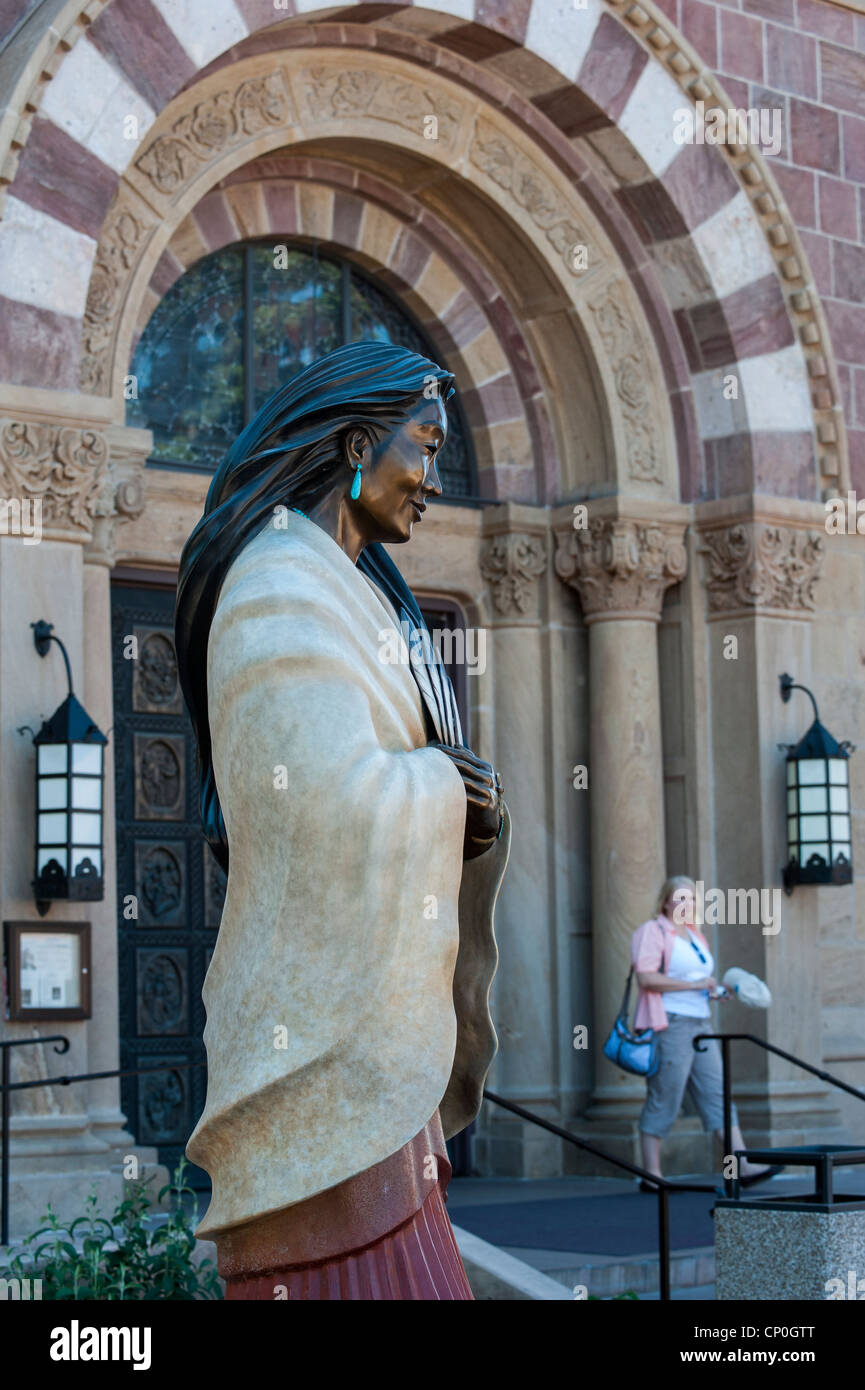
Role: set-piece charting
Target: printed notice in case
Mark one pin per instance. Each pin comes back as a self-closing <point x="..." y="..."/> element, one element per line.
<point x="50" y="970"/>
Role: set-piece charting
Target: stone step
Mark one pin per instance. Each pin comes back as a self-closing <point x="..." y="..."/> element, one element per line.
<point x="606" y="1275"/>
<point x="495" y="1274"/>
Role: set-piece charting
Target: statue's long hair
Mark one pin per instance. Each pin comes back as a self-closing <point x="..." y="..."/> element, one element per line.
<point x="289" y="454"/>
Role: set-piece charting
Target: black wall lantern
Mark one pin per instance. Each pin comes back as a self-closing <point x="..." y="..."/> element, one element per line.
<point x="819" y="846"/>
<point x="69" y="798"/>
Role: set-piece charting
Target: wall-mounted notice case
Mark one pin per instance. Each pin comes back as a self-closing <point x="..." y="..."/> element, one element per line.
<point x="47" y="970"/>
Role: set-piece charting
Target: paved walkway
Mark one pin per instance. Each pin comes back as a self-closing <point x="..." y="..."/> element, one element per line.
<point x="599" y="1217"/>
<point x="560" y="1225"/>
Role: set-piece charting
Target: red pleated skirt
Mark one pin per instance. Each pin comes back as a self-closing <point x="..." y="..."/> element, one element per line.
<point x="384" y="1234"/>
<point x="420" y="1260"/>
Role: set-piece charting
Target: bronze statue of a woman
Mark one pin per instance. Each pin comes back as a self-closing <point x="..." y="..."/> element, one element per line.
<point x="348" y="1030"/>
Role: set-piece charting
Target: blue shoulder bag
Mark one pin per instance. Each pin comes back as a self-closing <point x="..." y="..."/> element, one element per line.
<point x="635" y="1052"/>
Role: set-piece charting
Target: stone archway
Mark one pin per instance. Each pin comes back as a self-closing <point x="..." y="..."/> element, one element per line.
<point x="496" y="183"/>
<point x="598" y="86"/>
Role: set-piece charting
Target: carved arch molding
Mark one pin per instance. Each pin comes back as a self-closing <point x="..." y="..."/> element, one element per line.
<point x="44" y="43"/>
<point x="280" y="100"/>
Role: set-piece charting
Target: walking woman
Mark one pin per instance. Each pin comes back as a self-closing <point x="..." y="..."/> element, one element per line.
<point x="674" y="968"/>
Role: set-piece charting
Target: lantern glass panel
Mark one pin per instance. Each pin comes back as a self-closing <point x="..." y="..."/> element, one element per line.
<point x="44" y="857"/>
<point x="87" y="757"/>
<point x="842" y="849"/>
<point x="87" y="828"/>
<point x="839" y="799"/>
<point x="812" y="827"/>
<point x="793" y="837"/>
<point x="52" y="828"/>
<point x="791" y="772"/>
<point x="812" y="799"/>
<point x="840" y="828"/>
<point x="52" y="793"/>
<point x="87" y="793"/>
<point x="52" y="757"/>
<point x="94" y="855"/>
<point x="807" y="849"/>
<point x="838" y="771"/>
<point x="791" y="802"/>
<point x="811" y="771"/>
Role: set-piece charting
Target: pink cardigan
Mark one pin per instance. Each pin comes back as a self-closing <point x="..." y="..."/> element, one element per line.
<point x="651" y="948"/>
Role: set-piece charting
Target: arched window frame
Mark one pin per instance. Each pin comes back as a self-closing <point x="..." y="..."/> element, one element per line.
<point x="348" y="270"/>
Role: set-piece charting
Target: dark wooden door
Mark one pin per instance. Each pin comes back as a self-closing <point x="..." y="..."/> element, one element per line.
<point x="169" y="887"/>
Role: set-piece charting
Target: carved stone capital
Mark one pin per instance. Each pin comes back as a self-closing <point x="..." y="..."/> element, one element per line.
<point x="56" y="472"/>
<point x="511" y="564"/>
<point x="620" y="567"/>
<point x="122" y="496"/>
<point x="754" y="566"/>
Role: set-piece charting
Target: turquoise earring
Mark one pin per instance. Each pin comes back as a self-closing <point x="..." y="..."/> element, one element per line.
<point x="355" y="485"/>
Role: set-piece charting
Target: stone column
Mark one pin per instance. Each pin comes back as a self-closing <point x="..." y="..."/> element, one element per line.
<point x="620" y="563"/>
<point x="761" y="562"/>
<point x="513" y="559"/>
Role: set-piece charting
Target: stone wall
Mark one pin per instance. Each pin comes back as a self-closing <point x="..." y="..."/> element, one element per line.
<point x="808" y="60"/>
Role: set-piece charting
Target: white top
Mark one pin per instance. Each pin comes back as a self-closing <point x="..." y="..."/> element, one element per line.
<point x="685" y="964"/>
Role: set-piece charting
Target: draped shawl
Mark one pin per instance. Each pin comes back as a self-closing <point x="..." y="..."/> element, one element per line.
<point x="347" y="996"/>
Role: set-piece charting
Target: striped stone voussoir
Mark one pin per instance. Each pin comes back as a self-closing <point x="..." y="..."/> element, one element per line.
<point x="600" y="86"/>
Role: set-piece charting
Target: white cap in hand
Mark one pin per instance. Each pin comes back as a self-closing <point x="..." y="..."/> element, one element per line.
<point x="748" y="989"/>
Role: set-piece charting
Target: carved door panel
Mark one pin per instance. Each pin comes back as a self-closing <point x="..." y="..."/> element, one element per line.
<point x="169" y="887"/>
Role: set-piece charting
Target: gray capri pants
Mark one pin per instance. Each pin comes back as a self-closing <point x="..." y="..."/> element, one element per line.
<point x="682" y="1069"/>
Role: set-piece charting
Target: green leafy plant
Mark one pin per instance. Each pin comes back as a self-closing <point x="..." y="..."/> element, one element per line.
<point x="124" y="1258"/>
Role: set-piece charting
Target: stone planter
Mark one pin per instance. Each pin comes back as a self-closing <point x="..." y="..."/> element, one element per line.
<point x="795" y="1250"/>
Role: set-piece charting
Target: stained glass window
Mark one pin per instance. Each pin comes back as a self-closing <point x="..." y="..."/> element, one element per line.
<point x="188" y="367"/>
<point x="242" y="322"/>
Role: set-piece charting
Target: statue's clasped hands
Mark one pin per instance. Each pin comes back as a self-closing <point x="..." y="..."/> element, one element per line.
<point x="483" y="788"/>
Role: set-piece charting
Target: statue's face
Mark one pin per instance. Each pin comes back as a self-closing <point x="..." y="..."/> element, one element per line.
<point x="399" y="474"/>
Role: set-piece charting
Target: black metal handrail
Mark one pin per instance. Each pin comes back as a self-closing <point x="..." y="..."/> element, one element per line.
<point x="5" y="1045"/>
<point x="8" y="1086"/>
<point x="664" y="1186"/>
<point x="725" y="1039"/>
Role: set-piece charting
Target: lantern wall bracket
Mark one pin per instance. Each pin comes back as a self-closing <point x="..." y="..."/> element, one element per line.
<point x="43" y="636"/>
<point x="788" y="685"/>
